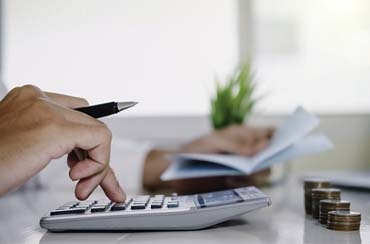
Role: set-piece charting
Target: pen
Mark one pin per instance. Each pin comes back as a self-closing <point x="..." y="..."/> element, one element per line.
<point x="105" y="109"/>
<point x="99" y="111"/>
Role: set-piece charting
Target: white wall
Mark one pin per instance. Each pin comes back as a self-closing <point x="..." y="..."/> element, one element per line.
<point x="161" y="53"/>
<point x="3" y="90"/>
<point x="315" y="53"/>
<point x="164" y="53"/>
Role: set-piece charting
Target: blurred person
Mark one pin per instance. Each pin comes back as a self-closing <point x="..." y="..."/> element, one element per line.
<point x="236" y="139"/>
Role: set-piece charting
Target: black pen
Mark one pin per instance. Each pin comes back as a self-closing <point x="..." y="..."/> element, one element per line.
<point x="105" y="109"/>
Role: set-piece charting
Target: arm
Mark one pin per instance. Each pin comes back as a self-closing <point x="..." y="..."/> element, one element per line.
<point x="36" y="127"/>
<point x="235" y="139"/>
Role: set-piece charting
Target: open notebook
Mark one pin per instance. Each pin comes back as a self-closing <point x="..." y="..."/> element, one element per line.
<point x="292" y="139"/>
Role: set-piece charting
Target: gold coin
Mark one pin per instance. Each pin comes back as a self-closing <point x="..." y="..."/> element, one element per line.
<point x="325" y="190"/>
<point x="344" y="217"/>
<point x="316" y="200"/>
<point x="343" y="228"/>
<point x="324" y="195"/>
<point x="334" y="203"/>
<point x="316" y="183"/>
<point x="309" y="184"/>
<point x="334" y="208"/>
<point x="345" y="214"/>
<point x="331" y="205"/>
<point x="344" y="220"/>
<point x="344" y="224"/>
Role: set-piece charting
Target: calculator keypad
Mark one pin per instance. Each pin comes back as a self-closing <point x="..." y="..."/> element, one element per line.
<point x="158" y="202"/>
<point x="134" y="204"/>
<point x="158" y="212"/>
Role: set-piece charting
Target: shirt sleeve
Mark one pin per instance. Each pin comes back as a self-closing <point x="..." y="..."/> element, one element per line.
<point x="127" y="161"/>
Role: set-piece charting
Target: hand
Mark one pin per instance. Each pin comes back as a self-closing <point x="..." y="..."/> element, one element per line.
<point x="235" y="139"/>
<point x="36" y="127"/>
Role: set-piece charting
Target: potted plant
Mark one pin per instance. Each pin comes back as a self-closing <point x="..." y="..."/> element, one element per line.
<point x="234" y="100"/>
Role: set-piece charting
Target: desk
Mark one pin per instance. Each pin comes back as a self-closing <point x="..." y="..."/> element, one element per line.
<point x="284" y="222"/>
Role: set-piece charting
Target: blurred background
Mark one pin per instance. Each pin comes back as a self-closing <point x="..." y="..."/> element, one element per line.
<point x="165" y="54"/>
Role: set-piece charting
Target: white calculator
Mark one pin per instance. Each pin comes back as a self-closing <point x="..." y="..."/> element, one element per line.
<point x="159" y="212"/>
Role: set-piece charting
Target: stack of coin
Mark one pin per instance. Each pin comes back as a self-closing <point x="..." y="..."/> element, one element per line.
<point x="331" y="205"/>
<point x="344" y="220"/>
<point x="309" y="184"/>
<point x="319" y="194"/>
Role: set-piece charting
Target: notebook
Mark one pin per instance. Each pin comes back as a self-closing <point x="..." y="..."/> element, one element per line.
<point x="293" y="138"/>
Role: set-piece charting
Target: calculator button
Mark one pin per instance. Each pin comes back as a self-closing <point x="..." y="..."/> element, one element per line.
<point x="81" y="206"/>
<point x="100" y="205"/>
<point x="63" y="208"/>
<point x="69" y="205"/>
<point x="118" y="206"/>
<point x="174" y="196"/>
<point x="140" y="202"/>
<point x="77" y="210"/>
<point x="58" y="212"/>
<point x="172" y="204"/>
<point x="156" y="205"/>
<point x="68" y="211"/>
<point x="157" y="202"/>
<point x="85" y="204"/>
<point x="96" y="209"/>
<point x="158" y="198"/>
<point x="141" y="199"/>
<point x="138" y="206"/>
<point x="102" y="202"/>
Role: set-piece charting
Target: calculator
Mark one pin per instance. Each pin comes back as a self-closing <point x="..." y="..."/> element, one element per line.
<point x="158" y="212"/>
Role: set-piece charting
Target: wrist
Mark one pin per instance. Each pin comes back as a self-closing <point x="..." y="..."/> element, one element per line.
<point x="156" y="162"/>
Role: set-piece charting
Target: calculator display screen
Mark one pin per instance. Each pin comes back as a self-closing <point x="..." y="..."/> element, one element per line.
<point x="218" y="198"/>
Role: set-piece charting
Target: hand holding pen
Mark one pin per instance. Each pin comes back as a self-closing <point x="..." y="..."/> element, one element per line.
<point x="37" y="127"/>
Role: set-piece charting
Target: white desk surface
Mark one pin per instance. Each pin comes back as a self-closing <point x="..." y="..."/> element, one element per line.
<point x="284" y="222"/>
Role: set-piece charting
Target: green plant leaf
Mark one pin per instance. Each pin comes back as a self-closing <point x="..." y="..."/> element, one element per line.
<point x="233" y="101"/>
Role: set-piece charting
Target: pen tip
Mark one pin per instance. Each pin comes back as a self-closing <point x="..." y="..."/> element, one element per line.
<point x="125" y="105"/>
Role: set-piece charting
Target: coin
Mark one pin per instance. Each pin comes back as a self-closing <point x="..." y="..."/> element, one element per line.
<point x="325" y="191"/>
<point x="344" y="220"/>
<point x="319" y="194"/>
<point x="334" y="203"/>
<point x="316" y="183"/>
<point x="343" y="228"/>
<point x="309" y="184"/>
<point x="326" y="206"/>
<point x="343" y="223"/>
<point x="344" y="216"/>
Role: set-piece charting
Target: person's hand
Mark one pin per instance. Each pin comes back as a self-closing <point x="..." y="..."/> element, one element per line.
<point x="236" y="139"/>
<point x="240" y="140"/>
<point x="36" y="127"/>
